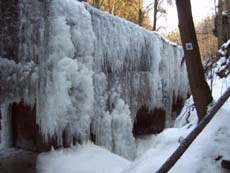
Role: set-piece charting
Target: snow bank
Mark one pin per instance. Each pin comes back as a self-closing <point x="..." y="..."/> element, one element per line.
<point x="87" y="159"/>
<point x="154" y="150"/>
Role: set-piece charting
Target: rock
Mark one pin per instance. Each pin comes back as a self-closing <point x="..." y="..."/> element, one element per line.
<point x="225" y="164"/>
<point x="149" y="121"/>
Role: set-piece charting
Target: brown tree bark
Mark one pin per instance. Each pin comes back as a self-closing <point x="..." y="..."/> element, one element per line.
<point x="227" y="4"/>
<point x="198" y="85"/>
<point x="140" y="17"/>
<point x="140" y="12"/>
<point x="97" y="4"/>
<point x="220" y="23"/>
<point x="155" y="15"/>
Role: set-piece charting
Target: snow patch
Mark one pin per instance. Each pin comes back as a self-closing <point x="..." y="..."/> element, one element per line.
<point x="88" y="158"/>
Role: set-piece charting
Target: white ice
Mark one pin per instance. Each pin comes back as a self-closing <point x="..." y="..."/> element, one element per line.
<point x="93" y="72"/>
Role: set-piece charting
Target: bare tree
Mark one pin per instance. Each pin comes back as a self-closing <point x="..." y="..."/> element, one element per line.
<point x="220" y="23"/>
<point x="142" y="10"/>
<point x="159" y="11"/>
<point x="227" y="5"/>
<point x="96" y="3"/>
<point x="198" y="85"/>
<point x="155" y="15"/>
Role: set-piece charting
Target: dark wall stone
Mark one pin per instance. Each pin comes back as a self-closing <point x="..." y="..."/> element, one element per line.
<point x="26" y="133"/>
<point x="225" y="164"/>
<point x="0" y="125"/>
<point x="225" y="30"/>
<point x="177" y="106"/>
<point x="24" y="126"/>
<point x="149" y="121"/>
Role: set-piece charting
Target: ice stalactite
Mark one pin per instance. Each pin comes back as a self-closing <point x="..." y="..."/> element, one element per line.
<point x="123" y="141"/>
<point x="69" y="87"/>
<point x="18" y="80"/>
<point x="5" y="126"/>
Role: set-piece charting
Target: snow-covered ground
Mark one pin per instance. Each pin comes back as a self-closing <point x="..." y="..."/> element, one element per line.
<point x="88" y="158"/>
<point x="203" y="156"/>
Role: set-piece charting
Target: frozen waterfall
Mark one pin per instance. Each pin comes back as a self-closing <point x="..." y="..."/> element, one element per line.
<point x="91" y="72"/>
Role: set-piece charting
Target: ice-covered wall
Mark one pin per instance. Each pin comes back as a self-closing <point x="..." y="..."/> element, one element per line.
<point x="5" y="127"/>
<point x="90" y="72"/>
<point x="101" y="70"/>
<point x="21" y="48"/>
<point x="138" y="64"/>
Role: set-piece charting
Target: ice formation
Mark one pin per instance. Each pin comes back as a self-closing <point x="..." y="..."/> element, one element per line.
<point x="90" y="72"/>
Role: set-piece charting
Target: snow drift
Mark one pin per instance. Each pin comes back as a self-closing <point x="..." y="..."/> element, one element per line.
<point x="91" y="72"/>
<point x="81" y="159"/>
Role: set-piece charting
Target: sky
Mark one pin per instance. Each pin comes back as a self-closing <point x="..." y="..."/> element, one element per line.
<point x="200" y="10"/>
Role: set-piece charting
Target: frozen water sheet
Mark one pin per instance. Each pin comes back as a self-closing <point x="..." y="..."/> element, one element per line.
<point x="119" y="67"/>
<point x="93" y="71"/>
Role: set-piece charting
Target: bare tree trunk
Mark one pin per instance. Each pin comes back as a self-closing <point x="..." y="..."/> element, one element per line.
<point x="198" y="85"/>
<point x="215" y="7"/>
<point x="97" y="4"/>
<point x="155" y="15"/>
<point x="1" y="31"/>
<point x="110" y="6"/>
<point x="227" y="3"/>
<point x="140" y="13"/>
<point x="113" y="7"/>
<point x="140" y="17"/>
<point x="220" y="23"/>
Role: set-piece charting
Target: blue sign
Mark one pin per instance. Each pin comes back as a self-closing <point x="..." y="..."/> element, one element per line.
<point x="189" y="46"/>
